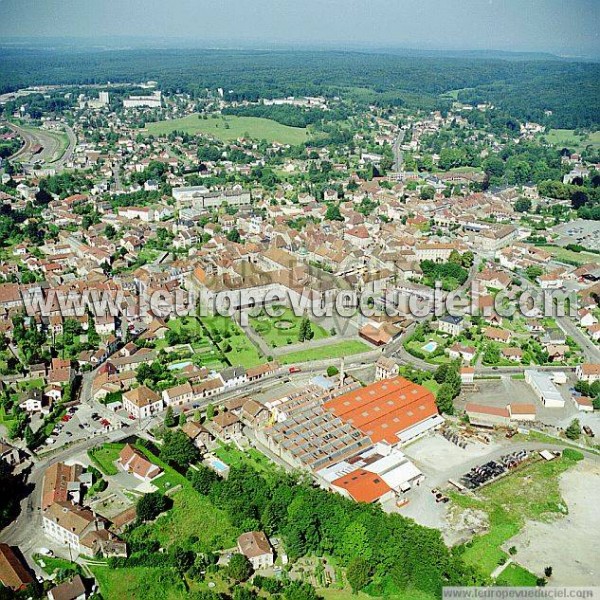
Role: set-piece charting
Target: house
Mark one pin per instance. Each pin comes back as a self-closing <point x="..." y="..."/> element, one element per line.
<point x="586" y="318"/>
<point x="68" y="524"/>
<point x="466" y="353"/>
<point x="255" y="546"/>
<point x="514" y="354"/>
<point x="467" y="375"/>
<point x="261" y="371"/>
<point x="594" y="332"/>
<point x="233" y="376"/>
<point x="13" y="573"/>
<point x="583" y="403"/>
<point x="521" y="412"/>
<point x="451" y="324"/>
<point x="133" y="461"/>
<point x="386" y="368"/>
<point x="178" y="395"/>
<point x="589" y="372"/>
<point x="32" y="400"/>
<point x="226" y="425"/>
<point x="74" y="589"/>
<point x="254" y="412"/>
<point x="142" y="402"/>
<point x="61" y="483"/>
<point x="497" y="335"/>
<point x="198" y="434"/>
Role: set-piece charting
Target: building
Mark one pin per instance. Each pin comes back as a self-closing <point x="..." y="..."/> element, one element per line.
<point x="226" y="425"/>
<point x="233" y="376"/>
<point x="451" y="324"/>
<point x="13" y="573"/>
<point x="68" y="524"/>
<point x="467" y="375"/>
<point x="395" y="411"/>
<point x="589" y="372"/>
<point x="133" y="461"/>
<point x="198" y="434"/>
<point x="583" y="403"/>
<point x="487" y="416"/>
<point x="73" y="589"/>
<point x="61" y="483"/>
<point x="142" y="402"/>
<point x="385" y="368"/>
<point x="543" y="386"/>
<point x="363" y="486"/>
<point x="178" y="395"/>
<point x="153" y="101"/>
<point x="200" y="197"/>
<point x="255" y="546"/>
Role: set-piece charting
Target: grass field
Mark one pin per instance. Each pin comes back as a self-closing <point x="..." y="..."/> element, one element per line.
<point x="140" y="582"/>
<point x="242" y="352"/>
<point x="531" y="493"/>
<point x="346" y="348"/>
<point x="231" y="128"/>
<point x="567" y="138"/>
<point x="235" y="458"/>
<point x="104" y="457"/>
<point x="580" y="258"/>
<point x="275" y="336"/>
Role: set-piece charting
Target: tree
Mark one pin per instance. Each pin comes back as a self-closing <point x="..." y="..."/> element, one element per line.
<point x="239" y="568"/>
<point x="573" y="431"/>
<point x="178" y="449"/>
<point x="491" y="354"/>
<point x="444" y="399"/>
<point x="149" y="506"/>
<point x="358" y="574"/>
<point x="523" y="205"/>
<point x="332" y="371"/>
<point x="182" y="419"/>
<point x="210" y="412"/>
<point x="548" y="571"/>
<point x="234" y="235"/>
<point x="169" y="417"/>
<point x="333" y="213"/>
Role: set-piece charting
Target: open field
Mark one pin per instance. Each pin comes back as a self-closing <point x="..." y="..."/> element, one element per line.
<point x="571" y="257"/>
<point x="231" y="128"/>
<point x="140" y="582"/>
<point x="338" y="350"/>
<point x="226" y="333"/>
<point x="529" y="494"/>
<point x="283" y="330"/>
<point x="567" y="138"/>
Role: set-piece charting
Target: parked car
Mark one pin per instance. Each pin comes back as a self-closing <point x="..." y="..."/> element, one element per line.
<point x="295" y="369"/>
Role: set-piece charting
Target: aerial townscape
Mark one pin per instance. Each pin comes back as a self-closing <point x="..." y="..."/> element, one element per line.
<point x="297" y="323"/>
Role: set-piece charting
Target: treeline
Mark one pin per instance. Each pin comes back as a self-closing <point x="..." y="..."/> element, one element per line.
<point x="294" y="116"/>
<point x="526" y="89"/>
<point x="380" y="550"/>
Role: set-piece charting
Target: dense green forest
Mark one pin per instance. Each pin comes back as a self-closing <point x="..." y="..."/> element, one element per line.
<point x="525" y="88"/>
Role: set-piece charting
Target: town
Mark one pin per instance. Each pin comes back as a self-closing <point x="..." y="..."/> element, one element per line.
<point x="247" y="345"/>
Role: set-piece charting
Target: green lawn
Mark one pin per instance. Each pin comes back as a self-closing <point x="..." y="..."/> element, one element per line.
<point x="226" y="332"/>
<point x="104" y="457"/>
<point x="567" y="138"/>
<point x="338" y="350"/>
<point x="140" y="582"/>
<point x="283" y="330"/>
<point x="580" y="258"/>
<point x="530" y="493"/>
<point x="53" y="564"/>
<point x="432" y="385"/>
<point x="515" y="575"/>
<point x="235" y="458"/>
<point x="231" y="128"/>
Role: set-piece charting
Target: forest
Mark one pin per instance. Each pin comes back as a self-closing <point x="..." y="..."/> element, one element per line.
<point x="540" y="90"/>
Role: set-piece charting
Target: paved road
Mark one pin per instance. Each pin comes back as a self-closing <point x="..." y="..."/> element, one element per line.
<point x="590" y="349"/>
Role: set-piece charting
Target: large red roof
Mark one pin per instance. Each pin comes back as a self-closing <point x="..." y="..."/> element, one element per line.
<point x="362" y="485"/>
<point x="385" y="408"/>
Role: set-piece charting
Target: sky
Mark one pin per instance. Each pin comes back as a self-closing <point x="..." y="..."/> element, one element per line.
<point x="566" y="27"/>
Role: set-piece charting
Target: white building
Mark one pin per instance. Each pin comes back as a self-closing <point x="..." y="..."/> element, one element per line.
<point x="142" y="402"/>
<point x="541" y="383"/>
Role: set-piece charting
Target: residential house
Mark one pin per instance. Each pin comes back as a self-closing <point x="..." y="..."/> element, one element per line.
<point x="14" y="575"/>
<point x="589" y="372"/>
<point x="226" y="426"/>
<point x="133" y="461"/>
<point x="386" y="368"/>
<point x="451" y="324"/>
<point x="142" y="402"/>
<point x="255" y="546"/>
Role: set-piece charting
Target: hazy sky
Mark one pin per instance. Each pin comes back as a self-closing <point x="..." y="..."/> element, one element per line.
<point x="560" y="26"/>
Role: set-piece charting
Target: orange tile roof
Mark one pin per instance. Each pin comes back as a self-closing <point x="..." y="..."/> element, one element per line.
<point x="385" y="408"/>
<point x="362" y="485"/>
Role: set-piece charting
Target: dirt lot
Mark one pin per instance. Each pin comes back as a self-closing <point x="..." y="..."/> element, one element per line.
<point x="570" y="545"/>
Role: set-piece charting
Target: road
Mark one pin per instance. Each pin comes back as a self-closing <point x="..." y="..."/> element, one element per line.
<point x="398" y="154"/>
<point x="590" y="349"/>
<point x="50" y="153"/>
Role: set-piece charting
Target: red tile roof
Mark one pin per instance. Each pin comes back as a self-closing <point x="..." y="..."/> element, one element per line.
<point x="363" y="486"/>
<point x="385" y="408"/>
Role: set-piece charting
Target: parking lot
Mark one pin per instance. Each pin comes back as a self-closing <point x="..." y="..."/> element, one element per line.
<point x="586" y="233"/>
